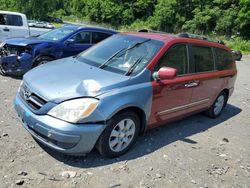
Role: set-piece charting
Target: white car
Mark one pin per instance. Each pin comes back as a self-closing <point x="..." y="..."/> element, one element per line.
<point x="32" y="23"/>
<point x="14" y="24"/>
<point x="43" y="24"/>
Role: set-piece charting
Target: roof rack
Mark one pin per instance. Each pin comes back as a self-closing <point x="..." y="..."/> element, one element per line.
<point x="200" y="37"/>
<point x="185" y="35"/>
<point x="151" y="31"/>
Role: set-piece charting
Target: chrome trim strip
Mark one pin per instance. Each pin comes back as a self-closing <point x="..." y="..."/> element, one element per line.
<point x="183" y="107"/>
<point x="34" y="101"/>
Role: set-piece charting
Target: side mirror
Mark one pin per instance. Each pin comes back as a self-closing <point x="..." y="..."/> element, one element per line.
<point x="69" y="41"/>
<point x="165" y="73"/>
<point x="34" y="36"/>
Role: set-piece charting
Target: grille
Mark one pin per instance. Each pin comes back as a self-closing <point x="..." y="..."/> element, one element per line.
<point x="33" y="100"/>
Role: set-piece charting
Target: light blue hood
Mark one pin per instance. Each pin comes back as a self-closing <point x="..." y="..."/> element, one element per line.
<point x="68" y="78"/>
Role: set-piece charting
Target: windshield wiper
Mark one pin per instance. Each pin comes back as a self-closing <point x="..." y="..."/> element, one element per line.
<point x="110" y="58"/>
<point x="124" y="50"/>
<point x="132" y="67"/>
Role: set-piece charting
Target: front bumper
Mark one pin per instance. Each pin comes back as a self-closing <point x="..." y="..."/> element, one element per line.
<point x="16" y="65"/>
<point x="74" y="139"/>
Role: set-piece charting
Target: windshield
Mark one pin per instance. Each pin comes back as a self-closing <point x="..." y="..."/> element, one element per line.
<point x="123" y="54"/>
<point x="56" y="34"/>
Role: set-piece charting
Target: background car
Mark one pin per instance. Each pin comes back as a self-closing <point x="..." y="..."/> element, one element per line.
<point x="40" y="24"/>
<point x="237" y="55"/>
<point x="32" y="23"/>
<point x="15" y="24"/>
<point x="44" y="24"/>
<point x="21" y="54"/>
<point x="54" y="19"/>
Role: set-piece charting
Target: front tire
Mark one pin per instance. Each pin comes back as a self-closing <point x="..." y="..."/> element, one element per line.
<point x="120" y="134"/>
<point x="42" y="60"/>
<point x="219" y="104"/>
<point x="1" y="72"/>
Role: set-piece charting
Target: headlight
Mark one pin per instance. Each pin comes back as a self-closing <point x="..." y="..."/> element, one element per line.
<point x="27" y="49"/>
<point x="21" y="84"/>
<point x="74" y="110"/>
<point x="2" y="44"/>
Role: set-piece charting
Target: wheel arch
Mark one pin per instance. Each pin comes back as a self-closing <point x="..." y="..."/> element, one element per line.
<point x="141" y="114"/>
<point x="226" y="91"/>
<point x="42" y="55"/>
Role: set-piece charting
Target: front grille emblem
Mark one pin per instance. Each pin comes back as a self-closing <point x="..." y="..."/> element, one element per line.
<point x="26" y="94"/>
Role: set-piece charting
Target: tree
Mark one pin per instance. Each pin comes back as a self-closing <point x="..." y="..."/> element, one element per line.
<point x="199" y="16"/>
<point x="164" y="17"/>
<point x="244" y="18"/>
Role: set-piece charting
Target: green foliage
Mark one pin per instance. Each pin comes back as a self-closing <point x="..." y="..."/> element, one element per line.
<point x="203" y="21"/>
<point x="164" y="17"/>
<point x="221" y="17"/>
<point x="244" y="18"/>
<point x="238" y="43"/>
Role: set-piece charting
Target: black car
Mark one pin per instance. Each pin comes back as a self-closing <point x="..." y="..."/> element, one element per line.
<point x="237" y="55"/>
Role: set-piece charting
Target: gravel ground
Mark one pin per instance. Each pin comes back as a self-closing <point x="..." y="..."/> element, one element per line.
<point x="194" y="152"/>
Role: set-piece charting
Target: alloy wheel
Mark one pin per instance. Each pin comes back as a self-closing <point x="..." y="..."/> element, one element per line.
<point x="219" y="104"/>
<point x="122" y="135"/>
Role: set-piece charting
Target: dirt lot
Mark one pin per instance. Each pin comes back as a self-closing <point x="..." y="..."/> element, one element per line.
<point x="194" y="152"/>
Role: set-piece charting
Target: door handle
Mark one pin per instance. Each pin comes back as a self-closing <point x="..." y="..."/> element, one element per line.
<point x="192" y="84"/>
<point x="6" y="29"/>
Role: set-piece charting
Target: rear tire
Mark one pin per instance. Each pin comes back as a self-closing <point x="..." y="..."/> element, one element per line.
<point x="42" y="60"/>
<point x="120" y="134"/>
<point x="239" y="58"/>
<point x="219" y="104"/>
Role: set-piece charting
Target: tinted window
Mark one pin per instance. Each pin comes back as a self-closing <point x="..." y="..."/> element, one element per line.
<point x="97" y="37"/>
<point x="224" y="59"/>
<point x="203" y="57"/>
<point x="82" y="37"/>
<point x="175" y="57"/>
<point x="14" y="20"/>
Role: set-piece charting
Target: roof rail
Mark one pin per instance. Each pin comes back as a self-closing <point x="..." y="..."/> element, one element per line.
<point x="200" y="37"/>
<point x="185" y="35"/>
<point x="151" y="31"/>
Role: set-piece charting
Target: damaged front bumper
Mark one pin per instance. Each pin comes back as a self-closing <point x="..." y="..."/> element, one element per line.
<point x="16" y="64"/>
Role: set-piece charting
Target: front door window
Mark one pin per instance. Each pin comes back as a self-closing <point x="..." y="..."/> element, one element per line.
<point x="83" y="37"/>
<point x="176" y="57"/>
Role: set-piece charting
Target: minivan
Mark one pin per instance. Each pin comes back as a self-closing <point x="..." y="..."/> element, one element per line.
<point x="116" y="90"/>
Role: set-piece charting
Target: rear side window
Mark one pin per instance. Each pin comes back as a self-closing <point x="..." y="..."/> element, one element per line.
<point x="203" y="58"/>
<point x="97" y="37"/>
<point x="8" y="19"/>
<point x="175" y="57"/>
<point x="224" y="59"/>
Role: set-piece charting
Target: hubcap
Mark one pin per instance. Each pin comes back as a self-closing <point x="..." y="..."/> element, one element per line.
<point x="219" y="104"/>
<point x="122" y="135"/>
